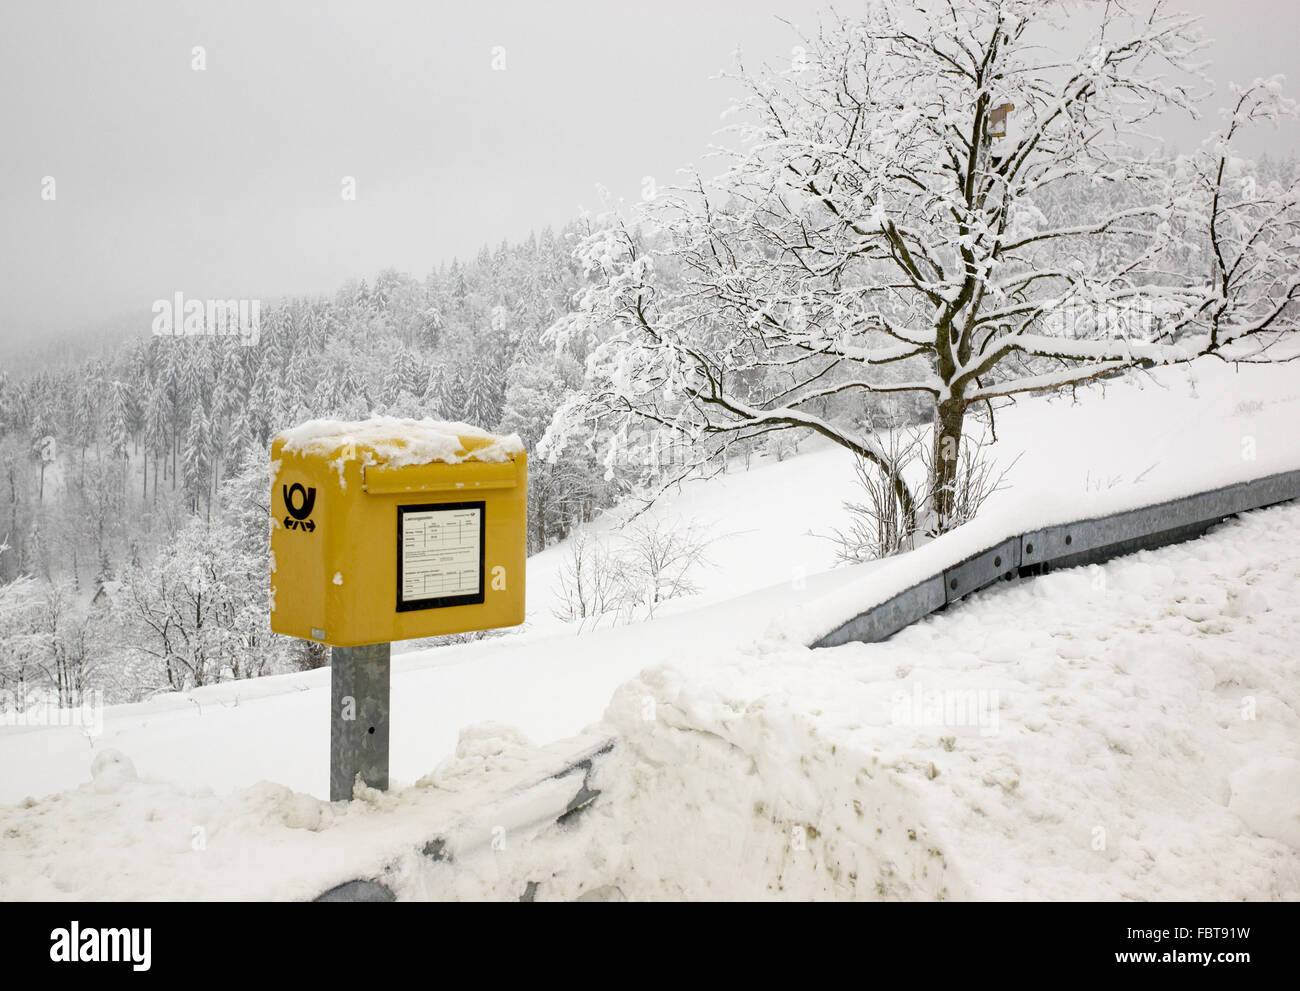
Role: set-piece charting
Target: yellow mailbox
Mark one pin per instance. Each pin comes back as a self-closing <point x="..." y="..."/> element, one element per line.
<point x="389" y="529"/>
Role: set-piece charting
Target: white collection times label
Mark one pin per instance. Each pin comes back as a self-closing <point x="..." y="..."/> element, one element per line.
<point x="441" y="553"/>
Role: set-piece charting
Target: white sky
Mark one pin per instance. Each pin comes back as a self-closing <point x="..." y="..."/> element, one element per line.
<point x="226" y="183"/>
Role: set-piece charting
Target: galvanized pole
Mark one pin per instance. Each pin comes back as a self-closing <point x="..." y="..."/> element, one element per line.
<point x="359" y="686"/>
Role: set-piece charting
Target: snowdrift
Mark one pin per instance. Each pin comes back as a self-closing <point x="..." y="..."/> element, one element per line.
<point x="1126" y="731"/>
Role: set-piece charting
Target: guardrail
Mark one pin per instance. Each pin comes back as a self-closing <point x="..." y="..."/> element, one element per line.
<point x="562" y="796"/>
<point x="1067" y="545"/>
<point x="559" y="797"/>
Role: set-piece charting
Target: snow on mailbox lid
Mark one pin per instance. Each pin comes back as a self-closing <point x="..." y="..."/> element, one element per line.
<point x="390" y="529"/>
<point x="394" y="442"/>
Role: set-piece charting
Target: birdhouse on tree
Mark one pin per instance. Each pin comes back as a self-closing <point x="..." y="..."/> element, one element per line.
<point x="998" y="120"/>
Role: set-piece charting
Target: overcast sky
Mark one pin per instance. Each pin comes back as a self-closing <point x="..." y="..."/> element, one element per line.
<point x="226" y="183"/>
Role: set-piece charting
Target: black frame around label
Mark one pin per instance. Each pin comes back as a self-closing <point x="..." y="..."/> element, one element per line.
<point x="443" y="602"/>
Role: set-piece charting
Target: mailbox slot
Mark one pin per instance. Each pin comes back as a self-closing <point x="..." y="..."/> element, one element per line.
<point x="382" y="480"/>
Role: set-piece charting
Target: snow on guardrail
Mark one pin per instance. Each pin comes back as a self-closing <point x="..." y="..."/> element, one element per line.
<point x="1024" y="538"/>
<point x="555" y="799"/>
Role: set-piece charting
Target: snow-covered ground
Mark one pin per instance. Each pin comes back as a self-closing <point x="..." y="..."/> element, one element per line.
<point x="1118" y="700"/>
<point x="1129" y="731"/>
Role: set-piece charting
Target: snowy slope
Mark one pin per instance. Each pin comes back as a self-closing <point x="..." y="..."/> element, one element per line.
<point x="1147" y="441"/>
<point x="1129" y="731"/>
<point x="1142" y="442"/>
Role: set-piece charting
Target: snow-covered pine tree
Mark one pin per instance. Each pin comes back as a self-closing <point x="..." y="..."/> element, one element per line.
<point x="404" y="379"/>
<point x="44" y="447"/>
<point x="82" y="425"/>
<point x="156" y="432"/>
<point x="195" y="460"/>
<point x="121" y="414"/>
<point x="434" y="399"/>
<point x="482" y="392"/>
<point x="351" y="397"/>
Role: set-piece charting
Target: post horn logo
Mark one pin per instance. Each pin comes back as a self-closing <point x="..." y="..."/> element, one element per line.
<point x="299" y="501"/>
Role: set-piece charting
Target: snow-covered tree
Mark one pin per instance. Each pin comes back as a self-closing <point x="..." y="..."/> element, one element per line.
<point x="882" y="231"/>
<point x="482" y="390"/>
<point x="435" y="398"/>
<point x="201" y="611"/>
<point x="121" y="416"/>
<point x="156" y="432"/>
<point x="197" y="463"/>
<point x="67" y="659"/>
<point x="21" y="642"/>
<point x="82" y="423"/>
<point x="561" y="491"/>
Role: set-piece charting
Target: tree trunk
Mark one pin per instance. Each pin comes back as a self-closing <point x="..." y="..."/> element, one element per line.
<point x="947" y="449"/>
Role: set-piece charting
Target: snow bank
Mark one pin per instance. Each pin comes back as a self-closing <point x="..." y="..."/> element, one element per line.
<point x="123" y="837"/>
<point x="397" y="442"/>
<point x="1143" y="745"/>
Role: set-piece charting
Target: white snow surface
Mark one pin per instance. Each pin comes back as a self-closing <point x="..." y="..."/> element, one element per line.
<point x="398" y="443"/>
<point x="1120" y="699"/>
<point x="1143" y="744"/>
<point x="1134" y="734"/>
